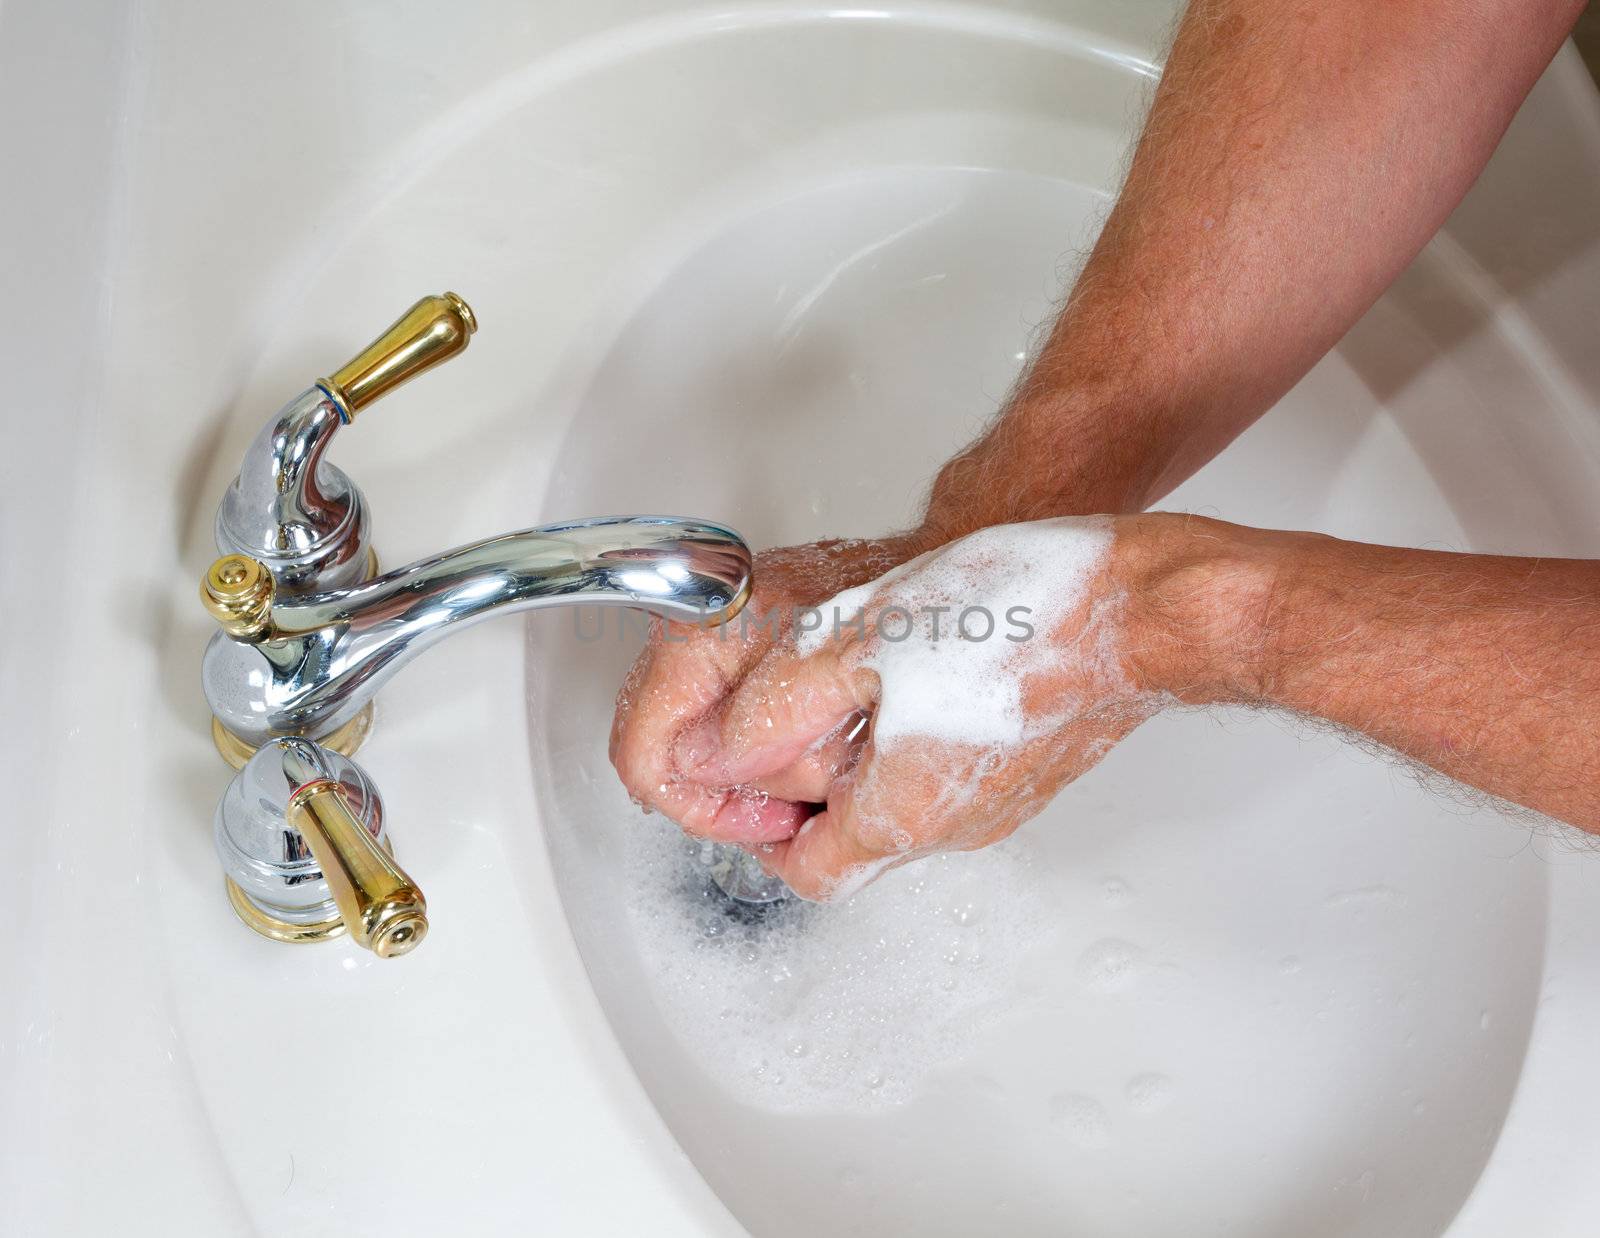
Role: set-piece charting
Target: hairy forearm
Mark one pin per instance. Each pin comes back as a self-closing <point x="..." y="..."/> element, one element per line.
<point x="1485" y="668"/>
<point x="1298" y="154"/>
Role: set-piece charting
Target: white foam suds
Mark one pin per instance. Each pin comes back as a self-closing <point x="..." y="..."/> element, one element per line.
<point x="847" y="1006"/>
<point x="972" y="620"/>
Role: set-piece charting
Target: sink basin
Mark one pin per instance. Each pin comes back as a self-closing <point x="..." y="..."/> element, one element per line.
<point x="1184" y="976"/>
<point x="767" y="264"/>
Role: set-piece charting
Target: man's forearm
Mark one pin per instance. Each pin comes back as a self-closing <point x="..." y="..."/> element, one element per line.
<point x="1298" y="154"/>
<point x="1483" y="667"/>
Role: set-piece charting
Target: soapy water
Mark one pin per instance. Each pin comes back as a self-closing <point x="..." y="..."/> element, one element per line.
<point x="842" y="1007"/>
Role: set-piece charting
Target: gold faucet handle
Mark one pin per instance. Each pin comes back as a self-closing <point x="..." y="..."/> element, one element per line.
<point x="238" y="591"/>
<point x="431" y="331"/>
<point x="380" y="906"/>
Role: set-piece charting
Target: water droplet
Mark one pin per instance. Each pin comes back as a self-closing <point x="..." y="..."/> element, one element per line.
<point x="1110" y="965"/>
<point x="1149" y="1092"/>
<point x="1082" y="1119"/>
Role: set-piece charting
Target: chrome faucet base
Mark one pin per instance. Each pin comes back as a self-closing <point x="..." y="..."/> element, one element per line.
<point x="346" y="741"/>
<point x="290" y="931"/>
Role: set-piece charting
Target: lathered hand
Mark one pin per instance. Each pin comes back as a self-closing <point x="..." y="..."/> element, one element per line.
<point x="937" y="708"/>
<point x="889" y="737"/>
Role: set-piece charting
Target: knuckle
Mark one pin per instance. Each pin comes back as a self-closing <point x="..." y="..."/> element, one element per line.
<point x="633" y="762"/>
<point x="622" y="748"/>
<point x="697" y="827"/>
<point x="808" y="884"/>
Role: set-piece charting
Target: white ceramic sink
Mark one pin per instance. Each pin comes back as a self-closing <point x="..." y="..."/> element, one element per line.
<point x="767" y="264"/>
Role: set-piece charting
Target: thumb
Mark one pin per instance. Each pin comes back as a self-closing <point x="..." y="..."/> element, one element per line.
<point x="827" y="860"/>
<point x="774" y="717"/>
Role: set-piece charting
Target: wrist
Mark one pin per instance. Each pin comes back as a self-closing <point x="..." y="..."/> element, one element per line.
<point x="1094" y="469"/>
<point x="811" y="572"/>
<point x="1197" y="594"/>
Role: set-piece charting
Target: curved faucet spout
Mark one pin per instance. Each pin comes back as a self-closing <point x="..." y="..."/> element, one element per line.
<point x="325" y="654"/>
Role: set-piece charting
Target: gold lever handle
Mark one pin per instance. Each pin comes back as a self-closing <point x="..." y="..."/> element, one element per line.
<point x="433" y="330"/>
<point x="380" y="906"/>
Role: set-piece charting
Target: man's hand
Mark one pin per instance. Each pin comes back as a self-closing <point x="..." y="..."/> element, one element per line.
<point x="685" y="673"/>
<point x="1486" y="668"/>
<point x="993" y="670"/>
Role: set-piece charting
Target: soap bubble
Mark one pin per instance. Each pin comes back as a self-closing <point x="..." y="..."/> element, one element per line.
<point x="859" y="1000"/>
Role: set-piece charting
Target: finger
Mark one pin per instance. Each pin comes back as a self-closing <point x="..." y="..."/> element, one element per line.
<point x="811" y="778"/>
<point x="784" y="707"/>
<point x="669" y="687"/>
<point x="831" y="857"/>
<point x="748" y="817"/>
<point x="825" y="863"/>
<point x="736" y="815"/>
<point x="665" y="691"/>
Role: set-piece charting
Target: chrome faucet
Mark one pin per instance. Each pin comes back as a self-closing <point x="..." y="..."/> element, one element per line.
<point x="309" y="633"/>
<point x="309" y="664"/>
